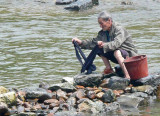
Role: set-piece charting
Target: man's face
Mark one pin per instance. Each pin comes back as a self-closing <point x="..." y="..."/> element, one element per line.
<point x="105" y="25"/>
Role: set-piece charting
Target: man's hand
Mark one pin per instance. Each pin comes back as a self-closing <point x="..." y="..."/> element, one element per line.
<point x="100" y="44"/>
<point x="77" y="40"/>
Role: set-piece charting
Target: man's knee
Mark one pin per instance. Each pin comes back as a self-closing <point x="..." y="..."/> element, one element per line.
<point x="117" y="54"/>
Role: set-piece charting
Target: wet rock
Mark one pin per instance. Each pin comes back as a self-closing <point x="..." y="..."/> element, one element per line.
<point x="27" y="114"/>
<point x="44" y="85"/>
<point x="117" y="83"/>
<point x="3" y="108"/>
<point x="3" y="90"/>
<point x="112" y="106"/>
<point x="108" y="96"/>
<point x="152" y="80"/>
<point x="80" y="5"/>
<point x="91" y="94"/>
<point x="61" y="94"/>
<point x="145" y="88"/>
<point x="140" y="94"/>
<point x="99" y="95"/>
<point x="130" y="101"/>
<point x="39" y="93"/>
<point x="80" y="94"/>
<point x="49" y="101"/>
<point x="63" y="86"/>
<point x="88" y="80"/>
<point x="64" y="2"/>
<point x="8" y="98"/>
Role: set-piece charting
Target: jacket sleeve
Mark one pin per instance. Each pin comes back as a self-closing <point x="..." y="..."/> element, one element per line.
<point x="120" y="36"/>
<point x="90" y="43"/>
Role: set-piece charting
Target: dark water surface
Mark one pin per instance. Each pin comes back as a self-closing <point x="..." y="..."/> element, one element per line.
<point x="35" y="37"/>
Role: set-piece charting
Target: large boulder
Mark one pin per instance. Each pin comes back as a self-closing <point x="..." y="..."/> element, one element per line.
<point x="88" y="80"/>
<point x="39" y="93"/>
<point x="152" y="80"/>
<point x="130" y="101"/>
<point x="117" y="83"/>
<point x="8" y="98"/>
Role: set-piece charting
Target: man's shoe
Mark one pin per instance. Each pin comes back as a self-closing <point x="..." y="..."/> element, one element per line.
<point x="108" y="71"/>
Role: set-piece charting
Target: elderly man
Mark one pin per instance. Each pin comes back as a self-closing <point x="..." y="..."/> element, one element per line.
<point x="114" y="42"/>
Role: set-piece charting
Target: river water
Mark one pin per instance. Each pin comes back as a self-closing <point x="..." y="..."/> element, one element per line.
<point x="35" y="37"/>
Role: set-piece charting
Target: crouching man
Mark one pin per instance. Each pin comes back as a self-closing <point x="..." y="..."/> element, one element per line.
<point x="114" y="41"/>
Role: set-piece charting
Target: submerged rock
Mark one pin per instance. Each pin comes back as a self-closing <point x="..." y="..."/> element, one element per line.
<point x="112" y="106"/>
<point x="79" y="5"/>
<point x="64" y="2"/>
<point x="88" y="80"/>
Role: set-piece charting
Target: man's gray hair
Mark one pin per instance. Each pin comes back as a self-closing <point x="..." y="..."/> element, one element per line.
<point x="105" y="16"/>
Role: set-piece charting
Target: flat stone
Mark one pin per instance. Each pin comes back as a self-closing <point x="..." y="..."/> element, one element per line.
<point x="88" y="80"/>
<point x="130" y="101"/>
<point x="49" y="101"/>
<point x="63" y="86"/>
<point x="117" y="83"/>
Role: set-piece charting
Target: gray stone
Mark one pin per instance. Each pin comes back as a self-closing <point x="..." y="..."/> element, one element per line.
<point x="88" y="80"/>
<point x="109" y="96"/>
<point x="64" y="2"/>
<point x="80" y="5"/>
<point x="63" y="86"/>
<point x="41" y="94"/>
<point x="3" y="108"/>
<point x="117" y="83"/>
<point x="152" y="80"/>
<point x="130" y="101"/>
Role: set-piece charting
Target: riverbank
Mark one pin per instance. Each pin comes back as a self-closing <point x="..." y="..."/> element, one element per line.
<point x="82" y="95"/>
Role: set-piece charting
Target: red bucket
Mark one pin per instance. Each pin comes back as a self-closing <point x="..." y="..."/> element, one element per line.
<point x="137" y="66"/>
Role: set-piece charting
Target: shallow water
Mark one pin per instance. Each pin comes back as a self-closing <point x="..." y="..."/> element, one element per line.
<point x="35" y="37"/>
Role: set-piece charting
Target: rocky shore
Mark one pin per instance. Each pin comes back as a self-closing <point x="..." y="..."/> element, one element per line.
<point x="81" y="95"/>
